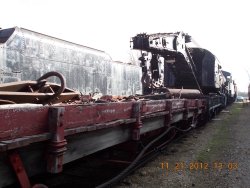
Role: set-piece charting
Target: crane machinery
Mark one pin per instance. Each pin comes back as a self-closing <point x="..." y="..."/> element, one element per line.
<point x="167" y="62"/>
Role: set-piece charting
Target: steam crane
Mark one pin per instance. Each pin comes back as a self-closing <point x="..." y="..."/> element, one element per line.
<point x="172" y="50"/>
<point x="167" y="62"/>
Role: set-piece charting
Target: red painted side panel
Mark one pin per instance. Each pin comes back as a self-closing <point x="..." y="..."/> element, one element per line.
<point x="18" y="121"/>
<point x="27" y="121"/>
<point x="23" y="121"/>
<point x="154" y="106"/>
<point x="87" y="115"/>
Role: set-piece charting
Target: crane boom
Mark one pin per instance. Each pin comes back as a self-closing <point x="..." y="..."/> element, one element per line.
<point x="164" y="44"/>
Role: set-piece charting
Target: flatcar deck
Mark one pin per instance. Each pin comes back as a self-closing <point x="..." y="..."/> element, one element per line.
<point x="46" y="137"/>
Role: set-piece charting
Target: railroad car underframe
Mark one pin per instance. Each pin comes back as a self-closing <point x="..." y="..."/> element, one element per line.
<point x="36" y="139"/>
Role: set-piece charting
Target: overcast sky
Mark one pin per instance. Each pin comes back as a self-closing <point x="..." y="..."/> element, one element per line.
<point x="219" y="26"/>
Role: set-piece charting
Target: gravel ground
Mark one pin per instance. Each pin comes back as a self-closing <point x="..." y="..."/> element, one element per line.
<point x="215" y="155"/>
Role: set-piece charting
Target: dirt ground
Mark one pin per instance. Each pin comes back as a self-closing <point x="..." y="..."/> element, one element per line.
<point x="215" y="155"/>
